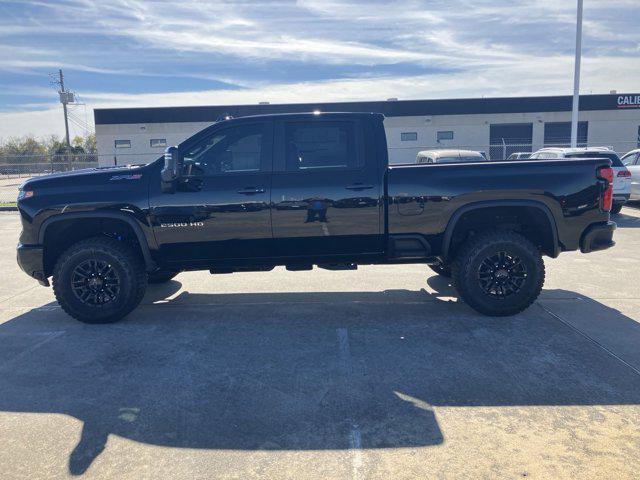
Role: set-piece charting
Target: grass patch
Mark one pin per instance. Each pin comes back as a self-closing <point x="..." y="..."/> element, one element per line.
<point x="7" y="204"/>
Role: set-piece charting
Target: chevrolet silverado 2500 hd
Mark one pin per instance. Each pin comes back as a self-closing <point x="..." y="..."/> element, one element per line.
<point x="300" y="190"/>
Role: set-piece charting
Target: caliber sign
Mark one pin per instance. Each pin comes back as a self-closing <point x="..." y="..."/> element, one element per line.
<point x="628" y="101"/>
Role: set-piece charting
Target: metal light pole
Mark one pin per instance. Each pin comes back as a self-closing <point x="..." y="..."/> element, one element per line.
<point x="576" y="79"/>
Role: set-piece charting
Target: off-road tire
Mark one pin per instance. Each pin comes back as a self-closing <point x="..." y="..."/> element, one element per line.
<point x="127" y="265"/>
<point x="616" y="208"/>
<point x="472" y="254"/>
<point x="440" y="269"/>
<point x="161" y="276"/>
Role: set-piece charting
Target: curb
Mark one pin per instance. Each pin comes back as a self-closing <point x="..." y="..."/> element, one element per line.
<point x="8" y="209"/>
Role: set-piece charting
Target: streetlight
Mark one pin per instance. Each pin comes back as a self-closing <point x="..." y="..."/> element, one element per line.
<point x="576" y="79"/>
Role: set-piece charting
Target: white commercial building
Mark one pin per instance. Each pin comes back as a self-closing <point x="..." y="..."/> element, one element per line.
<point x="497" y="126"/>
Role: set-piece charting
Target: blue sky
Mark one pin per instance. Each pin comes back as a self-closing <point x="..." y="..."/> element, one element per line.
<point x="153" y="53"/>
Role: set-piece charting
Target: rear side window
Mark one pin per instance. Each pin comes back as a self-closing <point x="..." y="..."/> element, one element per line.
<point x="615" y="160"/>
<point x="321" y="145"/>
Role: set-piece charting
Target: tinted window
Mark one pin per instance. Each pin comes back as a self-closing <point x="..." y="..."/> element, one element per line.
<point x="314" y="145"/>
<point x="543" y="155"/>
<point x="232" y="150"/>
<point x="615" y="160"/>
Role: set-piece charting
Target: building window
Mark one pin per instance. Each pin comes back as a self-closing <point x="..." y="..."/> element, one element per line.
<point x="123" y="144"/>
<point x="409" y="136"/>
<point x="558" y="134"/>
<point x="158" y="142"/>
<point x="444" y="135"/>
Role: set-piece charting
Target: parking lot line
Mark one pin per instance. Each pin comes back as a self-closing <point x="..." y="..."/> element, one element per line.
<point x="355" y="437"/>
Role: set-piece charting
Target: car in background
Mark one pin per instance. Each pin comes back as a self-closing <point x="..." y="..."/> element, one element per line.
<point x="450" y="156"/>
<point x="519" y="156"/>
<point x="631" y="160"/>
<point x="622" y="175"/>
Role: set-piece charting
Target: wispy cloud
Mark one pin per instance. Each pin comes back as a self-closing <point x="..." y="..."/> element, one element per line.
<point x="163" y="52"/>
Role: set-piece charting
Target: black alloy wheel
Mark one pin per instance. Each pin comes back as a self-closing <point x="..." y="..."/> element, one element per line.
<point x="502" y="274"/>
<point x="95" y="282"/>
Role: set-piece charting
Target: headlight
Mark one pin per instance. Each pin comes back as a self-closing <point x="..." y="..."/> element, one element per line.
<point x="23" y="194"/>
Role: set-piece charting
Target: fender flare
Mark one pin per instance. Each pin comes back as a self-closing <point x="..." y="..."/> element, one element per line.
<point x="451" y="225"/>
<point x="150" y="264"/>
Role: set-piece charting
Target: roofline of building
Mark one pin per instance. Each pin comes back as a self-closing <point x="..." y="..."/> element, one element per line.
<point x="389" y="108"/>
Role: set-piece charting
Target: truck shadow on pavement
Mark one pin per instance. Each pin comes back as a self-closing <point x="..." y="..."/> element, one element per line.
<point x="298" y="371"/>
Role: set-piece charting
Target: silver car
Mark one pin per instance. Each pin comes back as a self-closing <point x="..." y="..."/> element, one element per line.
<point x="450" y="156"/>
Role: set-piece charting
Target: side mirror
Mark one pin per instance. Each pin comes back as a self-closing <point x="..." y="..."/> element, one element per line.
<point x="172" y="169"/>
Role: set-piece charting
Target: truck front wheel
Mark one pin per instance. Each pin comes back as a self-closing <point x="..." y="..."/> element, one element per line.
<point x="99" y="280"/>
<point x="498" y="273"/>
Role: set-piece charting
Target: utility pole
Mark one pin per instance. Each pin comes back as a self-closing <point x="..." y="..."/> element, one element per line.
<point x="64" y="99"/>
<point x="576" y="79"/>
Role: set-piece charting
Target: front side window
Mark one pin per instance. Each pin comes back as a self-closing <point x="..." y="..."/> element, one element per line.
<point x="232" y="150"/>
<point x="320" y="145"/>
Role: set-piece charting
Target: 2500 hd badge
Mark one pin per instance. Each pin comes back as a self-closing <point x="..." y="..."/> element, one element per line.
<point x="182" y="224"/>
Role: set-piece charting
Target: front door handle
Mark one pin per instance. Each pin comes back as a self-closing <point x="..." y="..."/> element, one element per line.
<point x="251" y="190"/>
<point x="359" y="186"/>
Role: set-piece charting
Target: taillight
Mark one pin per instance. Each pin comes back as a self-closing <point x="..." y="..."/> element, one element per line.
<point x="624" y="173"/>
<point x="606" y="201"/>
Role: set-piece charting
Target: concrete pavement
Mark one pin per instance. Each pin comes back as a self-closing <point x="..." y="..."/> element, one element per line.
<point x="375" y="373"/>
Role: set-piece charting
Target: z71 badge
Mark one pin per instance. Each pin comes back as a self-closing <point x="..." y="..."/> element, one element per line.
<point x="133" y="176"/>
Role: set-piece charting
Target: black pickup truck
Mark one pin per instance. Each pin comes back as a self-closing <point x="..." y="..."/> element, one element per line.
<point x="300" y="190"/>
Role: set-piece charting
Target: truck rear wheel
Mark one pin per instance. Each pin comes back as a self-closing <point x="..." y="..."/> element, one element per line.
<point x="99" y="280"/>
<point x="498" y="273"/>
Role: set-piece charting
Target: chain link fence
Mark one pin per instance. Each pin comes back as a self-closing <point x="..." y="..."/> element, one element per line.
<point x="15" y="169"/>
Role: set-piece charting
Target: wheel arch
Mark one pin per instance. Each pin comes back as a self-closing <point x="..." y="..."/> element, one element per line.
<point x="134" y="226"/>
<point x="549" y="238"/>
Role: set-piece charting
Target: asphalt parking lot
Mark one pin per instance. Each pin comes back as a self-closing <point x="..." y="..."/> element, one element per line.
<point x="375" y="373"/>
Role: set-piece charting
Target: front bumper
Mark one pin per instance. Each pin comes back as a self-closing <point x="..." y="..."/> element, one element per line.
<point x="598" y="236"/>
<point x="31" y="261"/>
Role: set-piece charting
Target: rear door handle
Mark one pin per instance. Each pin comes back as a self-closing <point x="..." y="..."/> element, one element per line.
<point x="359" y="186"/>
<point x="251" y="190"/>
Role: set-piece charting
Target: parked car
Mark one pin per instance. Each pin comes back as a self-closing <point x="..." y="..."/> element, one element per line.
<point x="450" y="156"/>
<point x="622" y="175"/>
<point x="519" y="156"/>
<point x="102" y="234"/>
<point x="631" y="160"/>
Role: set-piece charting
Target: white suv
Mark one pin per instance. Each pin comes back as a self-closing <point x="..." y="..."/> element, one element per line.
<point x="632" y="161"/>
<point x="622" y="175"/>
